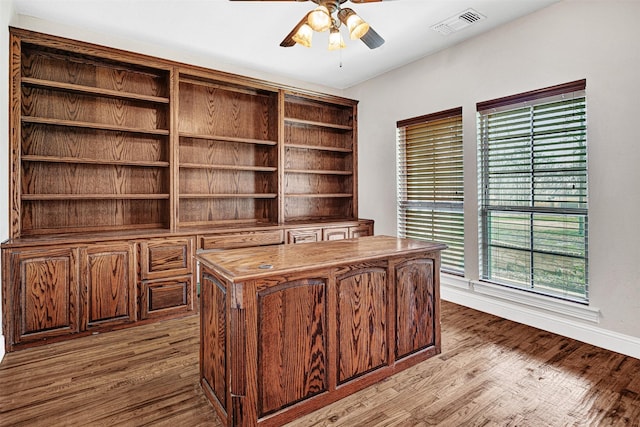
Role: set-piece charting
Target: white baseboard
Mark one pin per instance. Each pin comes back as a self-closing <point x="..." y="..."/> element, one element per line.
<point x="461" y="291"/>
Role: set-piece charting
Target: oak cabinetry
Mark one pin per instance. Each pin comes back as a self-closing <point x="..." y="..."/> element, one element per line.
<point x="166" y="286"/>
<point x="228" y="153"/>
<point x="319" y="158"/>
<point x="45" y="300"/>
<point x="361" y="230"/>
<point x="93" y="137"/>
<point x="335" y="233"/>
<point x="107" y="283"/>
<point x="304" y="235"/>
<point x="242" y="239"/>
<point x="121" y="165"/>
<point x="322" y="322"/>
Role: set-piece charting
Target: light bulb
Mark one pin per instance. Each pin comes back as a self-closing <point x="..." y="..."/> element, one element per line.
<point x="335" y="40"/>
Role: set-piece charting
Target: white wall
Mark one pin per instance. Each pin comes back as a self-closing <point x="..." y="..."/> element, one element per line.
<point x="598" y="40"/>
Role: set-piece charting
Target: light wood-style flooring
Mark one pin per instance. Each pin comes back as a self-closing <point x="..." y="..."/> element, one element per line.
<point x="492" y="372"/>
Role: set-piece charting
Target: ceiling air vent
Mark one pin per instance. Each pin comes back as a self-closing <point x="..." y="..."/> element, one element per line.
<point x="458" y="22"/>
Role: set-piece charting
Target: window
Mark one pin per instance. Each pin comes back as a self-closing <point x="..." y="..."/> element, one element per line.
<point x="533" y="191"/>
<point x="430" y="183"/>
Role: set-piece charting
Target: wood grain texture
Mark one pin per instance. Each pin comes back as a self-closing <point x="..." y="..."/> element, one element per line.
<point x="211" y="110"/>
<point x="491" y="372"/>
<point x="415" y="306"/>
<point x="108" y="284"/>
<point x="214" y="335"/>
<point x="362" y="310"/>
<point x="61" y="66"/>
<point x="292" y="339"/>
<point x="166" y="257"/>
<point x="47" y="298"/>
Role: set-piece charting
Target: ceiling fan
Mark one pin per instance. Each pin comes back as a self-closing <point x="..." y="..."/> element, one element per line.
<point x="330" y="15"/>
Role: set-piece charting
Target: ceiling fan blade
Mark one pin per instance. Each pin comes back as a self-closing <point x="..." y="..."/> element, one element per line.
<point x="289" y="41"/>
<point x="372" y="39"/>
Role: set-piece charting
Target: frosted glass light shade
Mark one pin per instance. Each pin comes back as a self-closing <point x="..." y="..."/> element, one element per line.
<point x="303" y="35"/>
<point x="357" y="27"/>
<point x="335" y="40"/>
<point x="319" y="19"/>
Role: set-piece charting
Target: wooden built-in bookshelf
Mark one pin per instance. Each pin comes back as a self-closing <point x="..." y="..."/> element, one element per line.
<point x="122" y="165"/>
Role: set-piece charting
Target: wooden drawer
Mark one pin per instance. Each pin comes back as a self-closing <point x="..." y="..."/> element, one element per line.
<point x="307" y="235"/>
<point x="360" y="231"/>
<point x="166" y="297"/>
<point x="161" y="258"/>
<point x="335" y="233"/>
<point x="241" y="240"/>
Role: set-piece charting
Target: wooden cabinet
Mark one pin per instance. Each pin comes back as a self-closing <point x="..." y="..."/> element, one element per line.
<point x="324" y="321"/>
<point x="107" y="277"/>
<point x="44" y="302"/>
<point x="166" y="286"/>
<point x="124" y="163"/>
<point x="335" y="233"/>
<point x="93" y="138"/>
<point x="228" y="165"/>
<point x="304" y="235"/>
<point x="319" y="159"/>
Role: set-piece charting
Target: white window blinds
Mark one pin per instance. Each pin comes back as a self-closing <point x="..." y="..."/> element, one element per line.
<point x="533" y="192"/>
<point x="430" y="183"/>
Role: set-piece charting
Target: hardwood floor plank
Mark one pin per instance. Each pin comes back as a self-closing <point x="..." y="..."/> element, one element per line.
<point x="492" y="372"/>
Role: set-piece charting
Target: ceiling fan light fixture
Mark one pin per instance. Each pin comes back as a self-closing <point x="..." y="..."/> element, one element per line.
<point x="335" y="39"/>
<point x="319" y="19"/>
<point x="303" y="35"/>
<point x="356" y="25"/>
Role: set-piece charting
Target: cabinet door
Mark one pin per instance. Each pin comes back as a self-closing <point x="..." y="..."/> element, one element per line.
<point x="292" y="348"/>
<point x="108" y="284"/>
<point x="44" y="287"/>
<point x="415" y="306"/>
<point x="335" y="233"/>
<point x="360" y="231"/>
<point x="362" y="321"/>
<point x="307" y="235"/>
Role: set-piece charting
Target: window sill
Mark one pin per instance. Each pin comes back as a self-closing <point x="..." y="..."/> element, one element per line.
<point x="535" y="301"/>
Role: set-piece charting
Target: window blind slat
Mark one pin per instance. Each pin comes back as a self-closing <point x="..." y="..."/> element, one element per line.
<point x="430" y="183"/>
<point x="533" y="192"/>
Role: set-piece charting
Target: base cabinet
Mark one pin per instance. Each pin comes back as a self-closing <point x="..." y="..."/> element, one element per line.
<point x="284" y="342"/>
<point x="45" y="295"/>
<point x="108" y="285"/>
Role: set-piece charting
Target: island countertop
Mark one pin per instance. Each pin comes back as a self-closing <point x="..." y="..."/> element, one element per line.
<point x="238" y="265"/>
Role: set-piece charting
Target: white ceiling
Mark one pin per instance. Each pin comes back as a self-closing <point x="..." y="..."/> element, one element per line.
<point x="248" y="33"/>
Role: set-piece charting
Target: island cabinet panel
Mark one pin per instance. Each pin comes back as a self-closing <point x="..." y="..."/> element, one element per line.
<point x="213" y="333"/>
<point x="288" y="329"/>
<point x="415" y="305"/>
<point x="362" y="310"/>
<point x="108" y="284"/>
<point x="292" y="343"/>
<point x="46" y="301"/>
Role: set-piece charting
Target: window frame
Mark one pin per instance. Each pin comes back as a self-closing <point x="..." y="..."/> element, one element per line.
<point x="449" y="208"/>
<point x="510" y="104"/>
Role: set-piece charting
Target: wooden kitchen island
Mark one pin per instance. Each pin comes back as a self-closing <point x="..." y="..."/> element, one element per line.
<point x="288" y="329"/>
